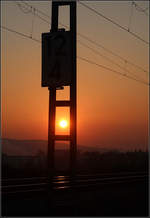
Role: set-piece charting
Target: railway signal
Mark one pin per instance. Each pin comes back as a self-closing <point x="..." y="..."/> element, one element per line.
<point x="56" y="58"/>
<point x="58" y="70"/>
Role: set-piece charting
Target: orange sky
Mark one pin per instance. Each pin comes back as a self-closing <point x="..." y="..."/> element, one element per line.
<point x="112" y="110"/>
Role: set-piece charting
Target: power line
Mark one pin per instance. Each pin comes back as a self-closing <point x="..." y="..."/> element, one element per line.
<point x="130" y="17"/>
<point x="44" y="14"/>
<point x="114" y="71"/>
<point x="108" y="59"/>
<point x="78" y="40"/>
<point x="113" y="22"/>
<point x="20" y="34"/>
<point x="85" y="37"/>
<point x="23" y="9"/>
<point x="41" y="12"/>
<point x="140" y="9"/>
<point x="82" y="58"/>
<point x="32" y="10"/>
<point x="111" y="52"/>
<point x="33" y="18"/>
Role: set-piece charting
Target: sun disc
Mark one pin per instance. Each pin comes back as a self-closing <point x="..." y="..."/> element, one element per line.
<point x="63" y="123"/>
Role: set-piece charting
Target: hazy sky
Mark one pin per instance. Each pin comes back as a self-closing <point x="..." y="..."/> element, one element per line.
<point x="112" y="110"/>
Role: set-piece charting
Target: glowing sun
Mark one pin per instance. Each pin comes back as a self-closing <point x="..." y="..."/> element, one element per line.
<point x="63" y="123"/>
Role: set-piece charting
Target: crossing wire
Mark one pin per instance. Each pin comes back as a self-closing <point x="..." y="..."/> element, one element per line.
<point x="23" y="9"/>
<point x="108" y="59"/>
<point x="20" y="34"/>
<point x="81" y="58"/>
<point x="41" y="12"/>
<point x="114" y="71"/>
<point x="140" y="9"/>
<point x="131" y="15"/>
<point x="32" y="10"/>
<point x="88" y="39"/>
<point x="113" y="22"/>
<point x="111" y="52"/>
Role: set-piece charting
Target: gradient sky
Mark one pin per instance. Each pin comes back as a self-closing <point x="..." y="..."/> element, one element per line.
<point x="112" y="110"/>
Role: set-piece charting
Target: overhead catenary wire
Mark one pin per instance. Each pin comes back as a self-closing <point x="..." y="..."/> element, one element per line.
<point x="41" y="12"/>
<point x="113" y="22"/>
<point x="20" y="34"/>
<point x="87" y="38"/>
<point x="33" y="18"/>
<point x="81" y="58"/>
<point x="140" y="9"/>
<point x="130" y="17"/>
<point x="108" y="59"/>
<point x="114" y="71"/>
<point x="111" y="52"/>
<point x="32" y="10"/>
<point x="23" y="9"/>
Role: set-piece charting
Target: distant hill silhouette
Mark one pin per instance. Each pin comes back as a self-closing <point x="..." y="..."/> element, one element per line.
<point x="32" y="147"/>
<point x="23" y="147"/>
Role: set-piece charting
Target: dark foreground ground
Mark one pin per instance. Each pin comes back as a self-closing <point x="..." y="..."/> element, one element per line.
<point x="122" y="199"/>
